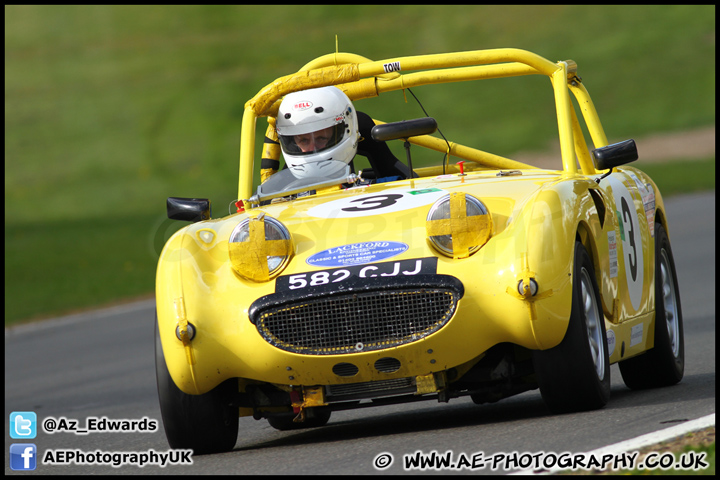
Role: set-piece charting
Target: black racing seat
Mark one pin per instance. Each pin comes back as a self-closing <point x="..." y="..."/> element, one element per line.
<point x="382" y="161"/>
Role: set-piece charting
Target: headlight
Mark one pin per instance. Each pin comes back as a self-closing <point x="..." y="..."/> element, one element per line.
<point x="260" y="248"/>
<point x="458" y="225"/>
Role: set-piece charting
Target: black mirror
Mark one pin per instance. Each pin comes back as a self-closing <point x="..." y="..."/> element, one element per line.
<point x="615" y="155"/>
<point x="189" y="209"/>
<point x="404" y="129"/>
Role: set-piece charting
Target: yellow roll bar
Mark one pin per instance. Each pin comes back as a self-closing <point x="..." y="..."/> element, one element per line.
<point x="360" y="77"/>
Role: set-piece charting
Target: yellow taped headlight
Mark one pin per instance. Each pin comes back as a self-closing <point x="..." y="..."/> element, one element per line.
<point x="458" y="224"/>
<point x="260" y="248"/>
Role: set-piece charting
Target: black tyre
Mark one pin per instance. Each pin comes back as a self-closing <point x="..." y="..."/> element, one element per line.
<point x="575" y="375"/>
<point x="204" y="423"/>
<point x="664" y="364"/>
<point x="315" y="417"/>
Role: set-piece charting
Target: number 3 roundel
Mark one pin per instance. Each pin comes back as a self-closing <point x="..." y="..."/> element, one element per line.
<point x="379" y="203"/>
<point x="631" y="238"/>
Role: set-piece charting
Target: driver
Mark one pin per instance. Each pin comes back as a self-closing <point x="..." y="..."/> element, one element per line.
<point x="316" y="127"/>
<point x="319" y="126"/>
<point x="315" y="141"/>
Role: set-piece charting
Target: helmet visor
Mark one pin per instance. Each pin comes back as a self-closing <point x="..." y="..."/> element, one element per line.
<point x="313" y="142"/>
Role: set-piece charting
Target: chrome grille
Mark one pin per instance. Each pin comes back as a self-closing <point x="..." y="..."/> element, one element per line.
<point x="357" y="322"/>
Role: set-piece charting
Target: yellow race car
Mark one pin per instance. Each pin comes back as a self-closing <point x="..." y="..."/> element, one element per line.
<point x="329" y="287"/>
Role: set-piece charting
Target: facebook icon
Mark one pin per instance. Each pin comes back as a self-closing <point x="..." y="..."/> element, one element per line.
<point x="23" y="456"/>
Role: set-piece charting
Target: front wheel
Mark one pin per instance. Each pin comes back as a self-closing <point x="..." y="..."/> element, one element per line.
<point x="664" y="364"/>
<point x="575" y="375"/>
<point x="205" y="423"/>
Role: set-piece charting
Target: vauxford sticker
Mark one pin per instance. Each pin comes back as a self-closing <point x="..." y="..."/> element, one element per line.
<point x="356" y="254"/>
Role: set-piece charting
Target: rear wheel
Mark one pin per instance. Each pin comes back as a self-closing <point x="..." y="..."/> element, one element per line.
<point x="575" y="375"/>
<point x="205" y="423"/>
<point x="664" y="364"/>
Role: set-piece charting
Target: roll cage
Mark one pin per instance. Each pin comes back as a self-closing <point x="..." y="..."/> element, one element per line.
<point x="361" y="78"/>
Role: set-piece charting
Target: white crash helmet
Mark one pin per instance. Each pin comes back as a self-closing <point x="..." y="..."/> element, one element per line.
<point x="317" y="127"/>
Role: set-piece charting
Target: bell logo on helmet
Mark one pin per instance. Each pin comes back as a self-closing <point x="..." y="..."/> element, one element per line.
<point x="302" y="105"/>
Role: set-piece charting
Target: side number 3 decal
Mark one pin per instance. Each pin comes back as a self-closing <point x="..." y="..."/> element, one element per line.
<point x="632" y="238"/>
<point x="632" y="256"/>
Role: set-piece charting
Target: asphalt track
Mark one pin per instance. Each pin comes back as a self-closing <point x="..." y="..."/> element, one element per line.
<point x="101" y="364"/>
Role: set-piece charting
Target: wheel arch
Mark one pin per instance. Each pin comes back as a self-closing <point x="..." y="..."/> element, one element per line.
<point x="584" y="234"/>
<point x="661" y="218"/>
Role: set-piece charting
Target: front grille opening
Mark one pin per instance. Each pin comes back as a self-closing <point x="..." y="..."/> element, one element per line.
<point x="345" y="370"/>
<point x="387" y="365"/>
<point x="359" y="322"/>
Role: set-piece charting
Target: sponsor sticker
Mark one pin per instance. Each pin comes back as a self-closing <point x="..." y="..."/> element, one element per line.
<point x="612" y="253"/>
<point x="636" y="334"/>
<point x="424" y="190"/>
<point x="649" y="203"/>
<point x="638" y="183"/>
<point x="610" y="342"/>
<point x="356" y="254"/>
<point x="647" y="194"/>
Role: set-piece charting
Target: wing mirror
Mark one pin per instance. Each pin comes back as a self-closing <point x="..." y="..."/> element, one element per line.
<point x="614" y="155"/>
<point x="405" y="130"/>
<point x="189" y="209"/>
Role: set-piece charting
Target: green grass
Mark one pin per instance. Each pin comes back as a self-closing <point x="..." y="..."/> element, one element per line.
<point x="690" y="453"/>
<point x="111" y="109"/>
<point x="63" y="266"/>
<point x="682" y="177"/>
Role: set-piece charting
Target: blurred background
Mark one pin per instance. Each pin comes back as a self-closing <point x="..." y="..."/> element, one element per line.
<point x="111" y="109"/>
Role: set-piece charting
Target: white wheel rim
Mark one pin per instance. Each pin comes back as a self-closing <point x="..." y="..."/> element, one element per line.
<point x="669" y="303"/>
<point x="592" y="322"/>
